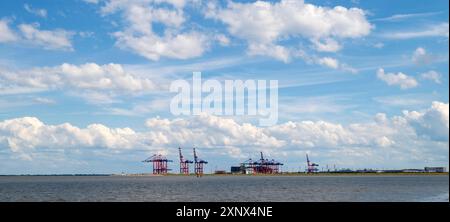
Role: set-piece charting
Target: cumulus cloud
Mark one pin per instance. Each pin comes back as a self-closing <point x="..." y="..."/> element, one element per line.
<point x="24" y="135"/>
<point x="432" y="75"/>
<point x="58" y="39"/>
<point x="140" y="37"/>
<point x="421" y="57"/>
<point x="401" y="134"/>
<point x="207" y="130"/>
<point x="399" y="79"/>
<point x="92" y="81"/>
<point x="6" y="33"/>
<point x="180" y="46"/>
<point x="264" y="24"/>
<point x="432" y="123"/>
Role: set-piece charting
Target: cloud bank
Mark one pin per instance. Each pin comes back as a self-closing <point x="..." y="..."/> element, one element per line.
<point x="408" y="137"/>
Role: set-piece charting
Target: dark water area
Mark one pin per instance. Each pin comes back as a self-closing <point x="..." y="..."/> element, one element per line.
<point x="433" y="188"/>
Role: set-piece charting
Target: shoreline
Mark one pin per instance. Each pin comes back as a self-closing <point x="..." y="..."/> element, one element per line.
<point x="229" y="174"/>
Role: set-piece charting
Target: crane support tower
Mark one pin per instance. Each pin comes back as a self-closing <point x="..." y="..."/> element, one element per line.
<point x="159" y="163"/>
<point x="198" y="165"/>
<point x="184" y="164"/>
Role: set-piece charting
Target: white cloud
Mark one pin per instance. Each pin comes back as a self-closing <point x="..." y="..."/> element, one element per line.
<point x="432" y="75"/>
<point x="378" y="45"/>
<point x="405" y="100"/>
<point x="348" y="68"/>
<point x="418" y="53"/>
<point x="223" y="40"/>
<point x="140" y="37"/>
<point x="13" y="89"/>
<point x="435" y="30"/>
<point x="407" y="137"/>
<point x="36" y="11"/>
<point x="86" y="76"/>
<point x="208" y="131"/>
<point x="180" y="46"/>
<point x="58" y="39"/>
<point x="400" y="79"/>
<point x="432" y="123"/>
<point x="421" y="57"/>
<point x="327" y="61"/>
<point x="86" y="34"/>
<point x="97" y="83"/>
<point x="142" y="109"/>
<point x="22" y="135"/>
<point x="276" y="51"/>
<point x="6" y="34"/>
<point x="328" y="45"/>
<point x="42" y="100"/>
<point x="401" y="17"/>
<point x="330" y="62"/>
<point x="263" y="24"/>
<point x="92" y="1"/>
<point x="293" y="108"/>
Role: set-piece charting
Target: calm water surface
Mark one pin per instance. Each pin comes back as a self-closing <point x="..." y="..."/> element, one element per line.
<point x="224" y="188"/>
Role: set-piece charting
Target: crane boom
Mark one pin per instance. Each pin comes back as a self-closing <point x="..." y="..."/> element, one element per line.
<point x="181" y="155"/>
<point x="195" y="156"/>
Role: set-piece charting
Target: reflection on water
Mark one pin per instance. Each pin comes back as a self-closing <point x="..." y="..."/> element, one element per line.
<point x="224" y="188"/>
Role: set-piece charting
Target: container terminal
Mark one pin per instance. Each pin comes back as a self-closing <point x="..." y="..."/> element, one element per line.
<point x="262" y="166"/>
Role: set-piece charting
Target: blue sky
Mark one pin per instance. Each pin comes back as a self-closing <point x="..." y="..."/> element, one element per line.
<point x="84" y="84"/>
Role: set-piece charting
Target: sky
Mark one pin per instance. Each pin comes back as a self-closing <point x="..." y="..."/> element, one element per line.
<point x="84" y="84"/>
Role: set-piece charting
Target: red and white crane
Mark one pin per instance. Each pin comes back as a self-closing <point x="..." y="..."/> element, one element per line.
<point x="184" y="164"/>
